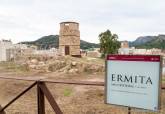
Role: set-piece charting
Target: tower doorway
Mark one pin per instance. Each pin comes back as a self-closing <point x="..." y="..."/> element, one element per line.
<point x="67" y="51"/>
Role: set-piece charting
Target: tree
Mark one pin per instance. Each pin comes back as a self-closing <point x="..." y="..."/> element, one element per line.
<point x="108" y="43"/>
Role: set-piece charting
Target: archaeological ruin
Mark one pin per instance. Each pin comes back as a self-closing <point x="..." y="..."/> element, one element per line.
<point x="69" y="41"/>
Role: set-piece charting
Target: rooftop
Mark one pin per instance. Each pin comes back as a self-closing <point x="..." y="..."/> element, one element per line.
<point x="69" y="22"/>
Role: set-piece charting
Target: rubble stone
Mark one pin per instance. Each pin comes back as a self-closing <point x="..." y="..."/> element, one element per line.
<point x="66" y="65"/>
<point x="34" y="61"/>
<point x="74" y="63"/>
<point x="73" y="71"/>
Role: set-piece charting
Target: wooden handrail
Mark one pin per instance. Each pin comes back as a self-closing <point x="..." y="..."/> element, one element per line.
<point x="43" y="90"/>
<point x="22" y="93"/>
<point x="94" y="83"/>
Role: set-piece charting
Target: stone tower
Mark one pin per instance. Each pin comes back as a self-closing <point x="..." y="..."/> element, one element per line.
<point x="69" y="41"/>
<point x="124" y="44"/>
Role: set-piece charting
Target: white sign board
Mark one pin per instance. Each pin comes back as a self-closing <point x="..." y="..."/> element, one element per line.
<point x="134" y="81"/>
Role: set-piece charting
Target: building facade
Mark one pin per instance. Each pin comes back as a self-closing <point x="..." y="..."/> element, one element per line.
<point x="5" y="53"/>
<point x="124" y="44"/>
<point x="69" y="41"/>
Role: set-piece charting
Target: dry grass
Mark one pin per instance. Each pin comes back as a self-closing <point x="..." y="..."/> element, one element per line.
<point x="13" y="67"/>
<point x="71" y="99"/>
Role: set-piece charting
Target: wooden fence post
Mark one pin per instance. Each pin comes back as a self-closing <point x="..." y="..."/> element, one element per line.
<point x="2" y="112"/>
<point x="40" y="99"/>
<point x="50" y="98"/>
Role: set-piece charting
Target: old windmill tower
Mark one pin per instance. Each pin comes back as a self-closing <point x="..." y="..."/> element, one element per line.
<point x="69" y="41"/>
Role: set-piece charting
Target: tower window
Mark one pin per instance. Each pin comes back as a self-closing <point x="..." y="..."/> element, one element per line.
<point x="67" y="24"/>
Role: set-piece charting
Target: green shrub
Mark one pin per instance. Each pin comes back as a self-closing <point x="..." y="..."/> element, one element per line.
<point x="67" y="92"/>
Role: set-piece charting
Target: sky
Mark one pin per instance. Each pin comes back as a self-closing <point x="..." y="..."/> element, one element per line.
<point x="28" y="20"/>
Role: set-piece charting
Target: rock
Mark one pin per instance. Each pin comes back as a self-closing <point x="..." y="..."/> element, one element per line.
<point x="34" y="61"/>
<point x="40" y="67"/>
<point x="65" y="71"/>
<point x="73" y="63"/>
<point x="65" y="64"/>
<point x="41" y="63"/>
<point x="28" y="62"/>
<point x="32" y="66"/>
<point x="56" y="65"/>
<point x="66" y="68"/>
<point x="91" y="68"/>
<point x="73" y="71"/>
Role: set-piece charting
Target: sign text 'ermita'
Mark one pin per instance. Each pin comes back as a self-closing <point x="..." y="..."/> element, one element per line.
<point x="133" y="80"/>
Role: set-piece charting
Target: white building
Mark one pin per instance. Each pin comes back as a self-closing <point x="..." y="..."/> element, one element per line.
<point x="5" y="46"/>
<point x="140" y="51"/>
<point x="125" y="51"/>
<point x="133" y="51"/>
<point x="20" y="46"/>
<point x="49" y="53"/>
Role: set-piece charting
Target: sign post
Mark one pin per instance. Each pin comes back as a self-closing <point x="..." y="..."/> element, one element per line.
<point x="133" y="81"/>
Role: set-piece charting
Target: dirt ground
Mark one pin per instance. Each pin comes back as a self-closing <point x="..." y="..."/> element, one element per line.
<point x="71" y="99"/>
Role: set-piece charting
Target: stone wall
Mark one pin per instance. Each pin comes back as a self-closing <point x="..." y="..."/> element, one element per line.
<point x="69" y="40"/>
<point x="74" y="50"/>
<point x="69" y="36"/>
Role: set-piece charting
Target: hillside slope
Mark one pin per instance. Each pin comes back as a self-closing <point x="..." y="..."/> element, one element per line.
<point x="50" y="41"/>
<point x="158" y="42"/>
<point x="149" y="42"/>
<point x="142" y="40"/>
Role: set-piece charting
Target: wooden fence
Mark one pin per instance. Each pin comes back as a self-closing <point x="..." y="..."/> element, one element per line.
<point x="42" y="90"/>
